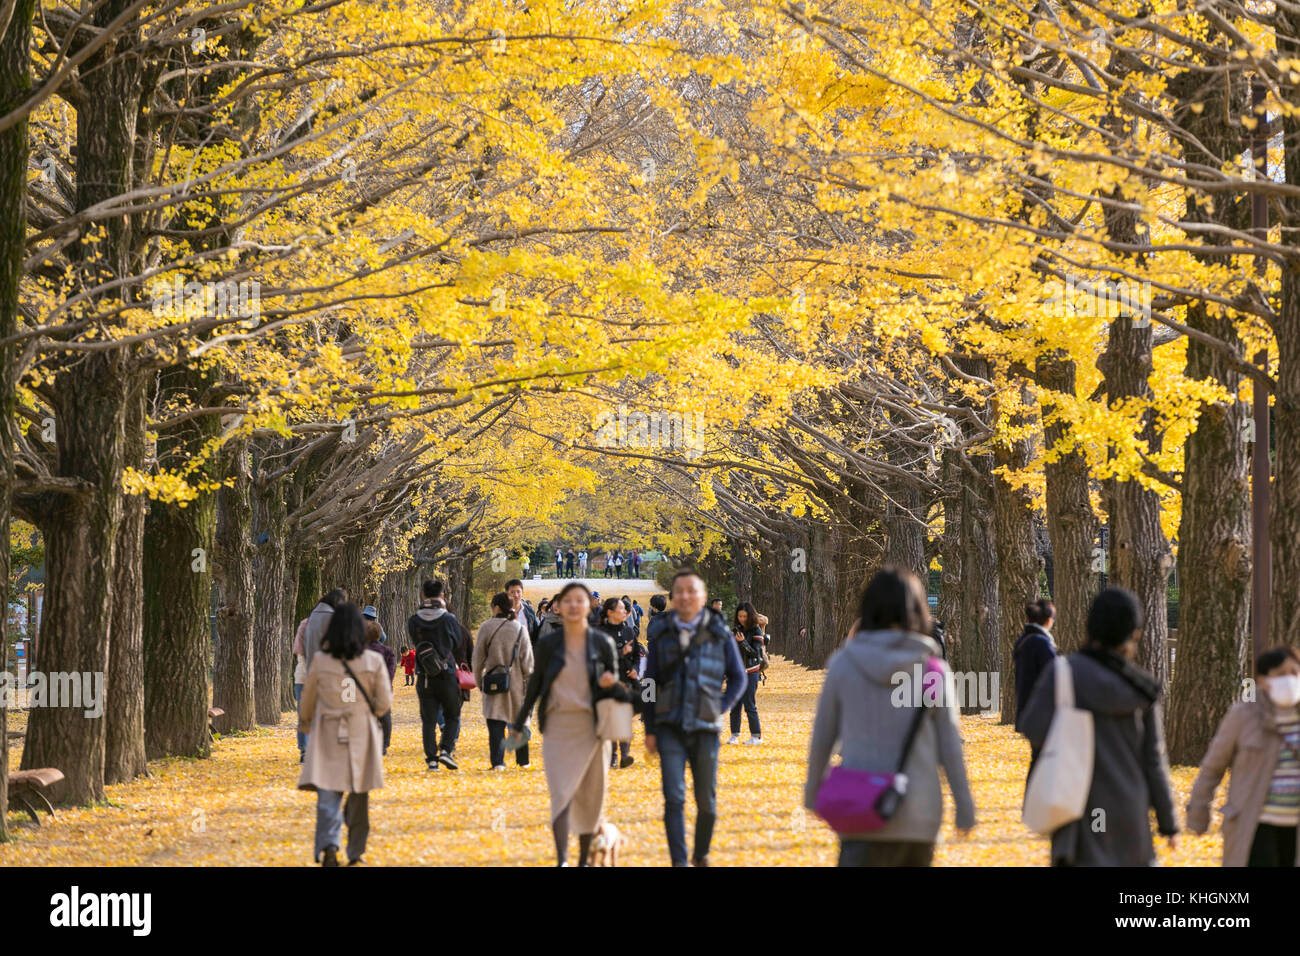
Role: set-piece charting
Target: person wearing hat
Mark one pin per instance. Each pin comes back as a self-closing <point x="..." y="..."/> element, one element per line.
<point x="370" y="614"/>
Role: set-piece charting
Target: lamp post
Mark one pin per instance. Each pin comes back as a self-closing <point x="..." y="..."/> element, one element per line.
<point x="1261" y="613"/>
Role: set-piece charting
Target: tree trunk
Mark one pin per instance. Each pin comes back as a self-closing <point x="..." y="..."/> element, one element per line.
<point x="178" y="590"/>
<point x="904" y="531"/>
<point x="1214" y="559"/>
<point x="823" y="592"/>
<point x="124" y="756"/>
<point x="1017" y="557"/>
<point x="795" y="596"/>
<point x="392" y="607"/>
<point x="344" y="567"/>
<point x="1140" y="558"/>
<point x="952" y="547"/>
<point x="89" y="397"/>
<point x="309" y="584"/>
<point x="768" y="597"/>
<point x="464" y="595"/>
<point x="81" y="531"/>
<point x="1214" y="567"/>
<point x="289" y="629"/>
<point x="269" y="574"/>
<point x="1072" y="524"/>
<point x="232" y="663"/>
<point x="742" y="570"/>
<point x="979" y="648"/>
<point x="15" y="85"/>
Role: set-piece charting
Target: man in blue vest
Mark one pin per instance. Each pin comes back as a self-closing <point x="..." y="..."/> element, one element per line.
<point x="691" y="651"/>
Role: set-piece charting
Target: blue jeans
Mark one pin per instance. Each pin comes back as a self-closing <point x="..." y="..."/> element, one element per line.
<point x="302" y="738"/>
<point x="330" y="814"/>
<point x="676" y="750"/>
<point x="751" y="708"/>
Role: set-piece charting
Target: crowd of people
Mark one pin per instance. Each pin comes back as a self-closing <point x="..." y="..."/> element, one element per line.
<point x="618" y="563"/>
<point x="579" y="661"/>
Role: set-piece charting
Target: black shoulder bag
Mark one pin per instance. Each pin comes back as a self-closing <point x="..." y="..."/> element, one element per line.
<point x="497" y="680"/>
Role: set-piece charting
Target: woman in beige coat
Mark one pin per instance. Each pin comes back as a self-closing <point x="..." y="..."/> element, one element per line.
<point x="502" y="646"/>
<point x="576" y="668"/>
<point x="1260" y="741"/>
<point x="347" y="689"/>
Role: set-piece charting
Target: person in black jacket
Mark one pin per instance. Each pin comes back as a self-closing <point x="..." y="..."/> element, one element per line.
<point x="436" y="635"/>
<point x="614" y="622"/>
<point x="658" y="606"/>
<point x="1033" y="653"/>
<point x="575" y="668"/>
<point x="750" y="640"/>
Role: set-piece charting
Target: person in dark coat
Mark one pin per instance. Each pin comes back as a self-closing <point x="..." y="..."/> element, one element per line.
<point x="614" y="622"/>
<point x="1130" y="773"/>
<point x="1033" y="653"/>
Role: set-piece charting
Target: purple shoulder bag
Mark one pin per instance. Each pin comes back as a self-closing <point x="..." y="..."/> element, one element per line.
<point x="860" y="801"/>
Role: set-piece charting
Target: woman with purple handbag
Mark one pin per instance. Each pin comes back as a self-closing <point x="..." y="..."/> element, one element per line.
<point x="888" y="708"/>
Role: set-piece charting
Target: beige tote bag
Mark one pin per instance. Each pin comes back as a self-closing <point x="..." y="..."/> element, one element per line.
<point x="1062" y="776"/>
<point x="613" y="719"/>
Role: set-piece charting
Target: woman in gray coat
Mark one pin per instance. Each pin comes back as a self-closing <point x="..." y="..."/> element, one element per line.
<point x="502" y="645"/>
<point x="862" y="714"/>
<point x="1130" y="774"/>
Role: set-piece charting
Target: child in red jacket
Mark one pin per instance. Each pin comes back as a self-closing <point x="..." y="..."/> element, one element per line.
<point x="408" y="665"/>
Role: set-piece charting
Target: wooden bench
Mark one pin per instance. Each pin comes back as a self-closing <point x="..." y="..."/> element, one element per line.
<point x="27" y="788"/>
<point x="214" y="714"/>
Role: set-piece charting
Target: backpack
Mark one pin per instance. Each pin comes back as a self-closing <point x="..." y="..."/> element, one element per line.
<point x="431" y="654"/>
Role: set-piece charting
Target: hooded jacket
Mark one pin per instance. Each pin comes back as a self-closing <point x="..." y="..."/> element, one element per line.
<point x="1130" y="773"/>
<point x="449" y="636"/>
<point x="857" y="716"/>
<point x="318" y="622"/>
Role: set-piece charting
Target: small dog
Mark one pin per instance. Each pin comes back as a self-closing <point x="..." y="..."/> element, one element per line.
<point x="605" y="847"/>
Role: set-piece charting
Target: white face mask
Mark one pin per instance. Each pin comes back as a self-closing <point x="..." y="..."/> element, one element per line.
<point x="1285" y="690"/>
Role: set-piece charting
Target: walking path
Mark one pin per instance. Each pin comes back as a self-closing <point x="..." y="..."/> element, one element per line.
<point x="241" y="806"/>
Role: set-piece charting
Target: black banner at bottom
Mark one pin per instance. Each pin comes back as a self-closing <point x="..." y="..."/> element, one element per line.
<point x="139" y="907"/>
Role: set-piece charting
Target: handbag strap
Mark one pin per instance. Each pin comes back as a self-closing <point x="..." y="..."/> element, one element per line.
<point x="1064" y="683"/>
<point x="494" y="634"/>
<point x="361" y="687"/>
<point x="916" y="725"/>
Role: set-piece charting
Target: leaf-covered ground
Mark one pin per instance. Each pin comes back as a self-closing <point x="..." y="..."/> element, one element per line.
<point x="241" y="806"/>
